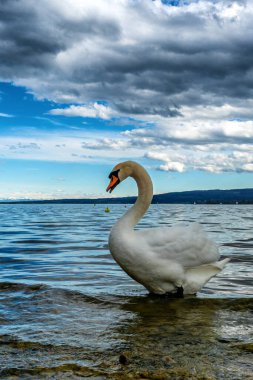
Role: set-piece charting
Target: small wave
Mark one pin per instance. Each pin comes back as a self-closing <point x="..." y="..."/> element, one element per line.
<point x="36" y="241"/>
<point x="68" y="368"/>
<point x="15" y="287"/>
<point x="20" y="232"/>
<point x="8" y="340"/>
<point x="245" y="259"/>
<point x="50" y="293"/>
<point x="244" y="240"/>
<point x="238" y="244"/>
<point x="34" y="250"/>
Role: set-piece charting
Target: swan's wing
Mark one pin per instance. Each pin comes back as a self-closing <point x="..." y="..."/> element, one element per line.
<point x="188" y="245"/>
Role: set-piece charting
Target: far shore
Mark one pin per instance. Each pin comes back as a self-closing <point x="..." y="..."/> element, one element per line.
<point x="231" y="196"/>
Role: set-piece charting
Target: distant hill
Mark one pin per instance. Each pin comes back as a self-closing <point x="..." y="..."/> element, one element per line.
<point x="240" y="196"/>
<point x="207" y="196"/>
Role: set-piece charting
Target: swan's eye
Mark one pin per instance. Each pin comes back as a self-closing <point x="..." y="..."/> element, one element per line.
<point x="115" y="173"/>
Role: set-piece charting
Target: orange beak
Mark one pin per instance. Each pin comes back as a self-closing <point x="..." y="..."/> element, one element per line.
<point x="112" y="184"/>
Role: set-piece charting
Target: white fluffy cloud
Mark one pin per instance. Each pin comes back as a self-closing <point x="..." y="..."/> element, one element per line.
<point x="106" y="143"/>
<point x="185" y="144"/>
<point x="214" y="160"/>
<point x="94" y="110"/>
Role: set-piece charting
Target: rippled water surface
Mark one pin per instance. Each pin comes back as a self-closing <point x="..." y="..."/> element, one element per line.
<point x="67" y="311"/>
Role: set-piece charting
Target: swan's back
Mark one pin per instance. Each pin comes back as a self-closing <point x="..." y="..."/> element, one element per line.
<point x="188" y="245"/>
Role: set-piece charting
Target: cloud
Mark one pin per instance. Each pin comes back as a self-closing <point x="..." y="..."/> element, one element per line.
<point x="24" y="146"/>
<point x="94" y="110"/>
<point x="106" y="143"/>
<point x="5" y="115"/>
<point x="215" y="159"/>
<point x="82" y="147"/>
<point x="169" y="57"/>
<point x="173" y="166"/>
<point x="165" y="152"/>
<point x="48" y="147"/>
<point x="191" y="132"/>
<point x="182" y="74"/>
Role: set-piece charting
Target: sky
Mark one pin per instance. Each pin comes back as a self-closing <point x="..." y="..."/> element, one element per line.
<point x="85" y="85"/>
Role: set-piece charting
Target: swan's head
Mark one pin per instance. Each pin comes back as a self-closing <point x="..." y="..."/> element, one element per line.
<point x="119" y="173"/>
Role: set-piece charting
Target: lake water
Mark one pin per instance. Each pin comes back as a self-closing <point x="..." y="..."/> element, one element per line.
<point x="67" y="311"/>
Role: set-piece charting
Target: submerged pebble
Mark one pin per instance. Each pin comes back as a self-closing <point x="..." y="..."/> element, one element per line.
<point x="123" y="359"/>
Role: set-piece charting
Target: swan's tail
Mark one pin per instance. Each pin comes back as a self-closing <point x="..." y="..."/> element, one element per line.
<point x="196" y="278"/>
<point x="221" y="264"/>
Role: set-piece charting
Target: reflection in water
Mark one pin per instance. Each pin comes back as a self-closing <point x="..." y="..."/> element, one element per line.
<point x="68" y="311"/>
<point x="58" y="332"/>
<point x="189" y="337"/>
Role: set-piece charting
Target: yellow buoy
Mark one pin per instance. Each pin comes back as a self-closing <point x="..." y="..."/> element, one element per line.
<point x="107" y="209"/>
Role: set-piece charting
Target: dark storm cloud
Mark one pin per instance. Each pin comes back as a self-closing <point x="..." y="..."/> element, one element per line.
<point x="143" y="57"/>
<point x="142" y="108"/>
<point x="32" y="34"/>
<point x="25" y="42"/>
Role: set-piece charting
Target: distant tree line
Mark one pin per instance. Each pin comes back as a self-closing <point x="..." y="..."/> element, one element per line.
<point x="234" y="196"/>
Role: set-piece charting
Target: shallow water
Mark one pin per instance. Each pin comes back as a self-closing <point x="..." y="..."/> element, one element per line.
<point x="68" y="311"/>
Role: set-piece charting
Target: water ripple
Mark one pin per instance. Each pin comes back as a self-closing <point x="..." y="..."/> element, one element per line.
<point x="67" y="310"/>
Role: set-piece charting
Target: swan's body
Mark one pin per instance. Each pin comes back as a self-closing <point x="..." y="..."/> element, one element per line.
<point x="161" y="259"/>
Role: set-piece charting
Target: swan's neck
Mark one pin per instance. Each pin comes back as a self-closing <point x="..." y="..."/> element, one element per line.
<point x="145" y="194"/>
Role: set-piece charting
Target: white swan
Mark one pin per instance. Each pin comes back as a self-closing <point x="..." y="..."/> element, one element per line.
<point x="178" y="259"/>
